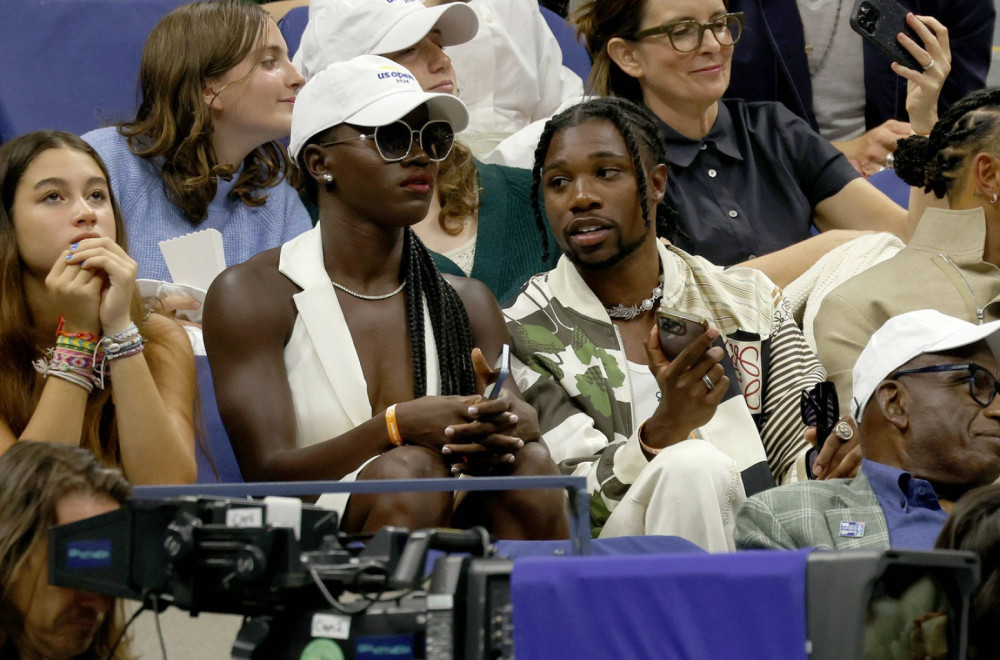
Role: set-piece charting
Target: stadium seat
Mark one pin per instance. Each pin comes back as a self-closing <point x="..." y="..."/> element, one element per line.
<point x="72" y="65"/>
<point x="575" y="56"/>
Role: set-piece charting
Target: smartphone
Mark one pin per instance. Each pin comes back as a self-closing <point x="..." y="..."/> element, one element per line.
<point x="677" y="330"/>
<point x="820" y="408"/>
<point x="879" y="21"/>
<point x="493" y="390"/>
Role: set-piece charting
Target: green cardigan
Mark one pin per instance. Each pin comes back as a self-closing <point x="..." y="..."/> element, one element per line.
<point x="508" y="243"/>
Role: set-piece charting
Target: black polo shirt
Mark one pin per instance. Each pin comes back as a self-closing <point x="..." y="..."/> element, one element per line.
<point x="749" y="187"/>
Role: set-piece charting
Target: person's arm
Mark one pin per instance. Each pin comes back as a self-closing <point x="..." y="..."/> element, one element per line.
<point x="861" y="206"/>
<point x="154" y="395"/>
<point x="785" y="265"/>
<point x="792" y="367"/>
<point x="759" y="528"/>
<point x="154" y="417"/>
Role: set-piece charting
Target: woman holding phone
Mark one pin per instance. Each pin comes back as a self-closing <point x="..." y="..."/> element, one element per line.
<point x="749" y="181"/>
<point x="367" y="350"/>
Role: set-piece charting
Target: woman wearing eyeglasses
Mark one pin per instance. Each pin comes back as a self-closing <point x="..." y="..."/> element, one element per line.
<point x="747" y="180"/>
<point x="345" y="354"/>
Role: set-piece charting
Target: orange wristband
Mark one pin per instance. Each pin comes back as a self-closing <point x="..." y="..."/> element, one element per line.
<point x="393" y="428"/>
<point x="652" y="450"/>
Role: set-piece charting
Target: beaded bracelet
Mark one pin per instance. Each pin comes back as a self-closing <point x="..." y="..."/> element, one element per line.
<point x="126" y="343"/>
<point x="71" y="365"/>
<point x="390" y="423"/>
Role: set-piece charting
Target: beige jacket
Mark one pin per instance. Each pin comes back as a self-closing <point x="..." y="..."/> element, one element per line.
<point x="941" y="268"/>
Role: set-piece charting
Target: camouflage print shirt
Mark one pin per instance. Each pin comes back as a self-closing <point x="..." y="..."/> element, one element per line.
<point x="571" y="366"/>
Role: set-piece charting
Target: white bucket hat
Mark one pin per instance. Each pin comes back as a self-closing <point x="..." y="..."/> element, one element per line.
<point x="904" y="337"/>
<point x="339" y="30"/>
<point x="366" y="91"/>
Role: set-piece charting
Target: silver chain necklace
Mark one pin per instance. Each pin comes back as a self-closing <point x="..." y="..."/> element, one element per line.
<point x="627" y="313"/>
<point x="366" y="297"/>
<point x="829" y="44"/>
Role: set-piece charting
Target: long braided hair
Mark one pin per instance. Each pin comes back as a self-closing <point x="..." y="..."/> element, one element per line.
<point x="644" y="143"/>
<point x="937" y="162"/>
<point x="449" y="320"/>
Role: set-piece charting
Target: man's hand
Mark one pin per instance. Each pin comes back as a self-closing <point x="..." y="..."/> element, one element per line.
<point x="687" y="401"/>
<point x="868" y="151"/>
<point x="838" y="457"/>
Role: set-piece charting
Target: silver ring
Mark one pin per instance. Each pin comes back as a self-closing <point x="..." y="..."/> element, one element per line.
<point x="930" y="64"/>
<point x="890" y="161"/>
<point x="708" y="382"/>
<point x="844" y="431"/>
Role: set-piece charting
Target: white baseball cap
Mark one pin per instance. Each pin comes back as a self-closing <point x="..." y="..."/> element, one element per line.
<point x="341" y="29"/>
<point x="366" y="91"/>
<point x="904" y="337"/>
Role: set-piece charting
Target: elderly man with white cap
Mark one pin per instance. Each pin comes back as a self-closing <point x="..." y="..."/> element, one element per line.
<point x="925" y="391"/>
<point x="344" y="354"/>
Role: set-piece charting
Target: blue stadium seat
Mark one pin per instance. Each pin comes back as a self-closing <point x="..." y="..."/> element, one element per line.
<point x="575" y="56"/>
<point x="72" y="65"/>
<point x="292" y="25"/>
<point x="214" y="438"/>
<point x="889" y="182"/>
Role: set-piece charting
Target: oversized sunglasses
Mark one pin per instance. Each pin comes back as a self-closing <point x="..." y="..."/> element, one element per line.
<point x="686" y="36"/>
<point x="983" y="386"/>
<point x="395" y="141"/>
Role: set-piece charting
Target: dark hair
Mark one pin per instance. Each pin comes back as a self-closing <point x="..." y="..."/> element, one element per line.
<point x="644" y="143"/>
<point x="34" y="478"/>
<point x="937" y="161"/>
<point x="173" y="125"/>
<point x="974" y="525"/>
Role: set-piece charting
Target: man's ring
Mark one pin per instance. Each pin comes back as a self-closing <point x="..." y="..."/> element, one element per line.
<point x="890" y="160"/>
<point x="708" y="382"/>
<point x="929" y="64"/>
<point x="844" y="431"/>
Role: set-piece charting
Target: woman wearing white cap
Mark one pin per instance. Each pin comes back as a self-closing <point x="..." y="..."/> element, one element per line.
<point x="346" y="354"/>
<point x="479" y="222"/>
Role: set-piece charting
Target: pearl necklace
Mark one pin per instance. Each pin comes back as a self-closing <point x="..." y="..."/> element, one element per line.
<point x="628" y="313"/>
<point x="367" y="297"/>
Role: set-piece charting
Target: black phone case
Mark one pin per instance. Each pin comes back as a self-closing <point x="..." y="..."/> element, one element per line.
<point x="879" y="21"/>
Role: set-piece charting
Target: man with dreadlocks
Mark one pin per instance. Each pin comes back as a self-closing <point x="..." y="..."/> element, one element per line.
<point x="345" y="355"/>
<point x="951" y="263"/>
<point x="662" y="443"/>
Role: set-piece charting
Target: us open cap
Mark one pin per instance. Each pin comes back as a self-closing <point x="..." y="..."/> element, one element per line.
<point x="366" y="91"/>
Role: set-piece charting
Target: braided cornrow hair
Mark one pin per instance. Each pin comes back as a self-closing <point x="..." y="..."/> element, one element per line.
<point x="936" y="162"/>
<point x="644" y="143"/>
<point x="449" y="322"/>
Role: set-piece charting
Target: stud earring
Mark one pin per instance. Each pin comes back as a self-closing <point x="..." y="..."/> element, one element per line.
<point x="994" y="198"/>
<point x="327" y="177"/>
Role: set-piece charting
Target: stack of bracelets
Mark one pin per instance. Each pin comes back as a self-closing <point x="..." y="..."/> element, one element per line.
<point x="82" y="358"/>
